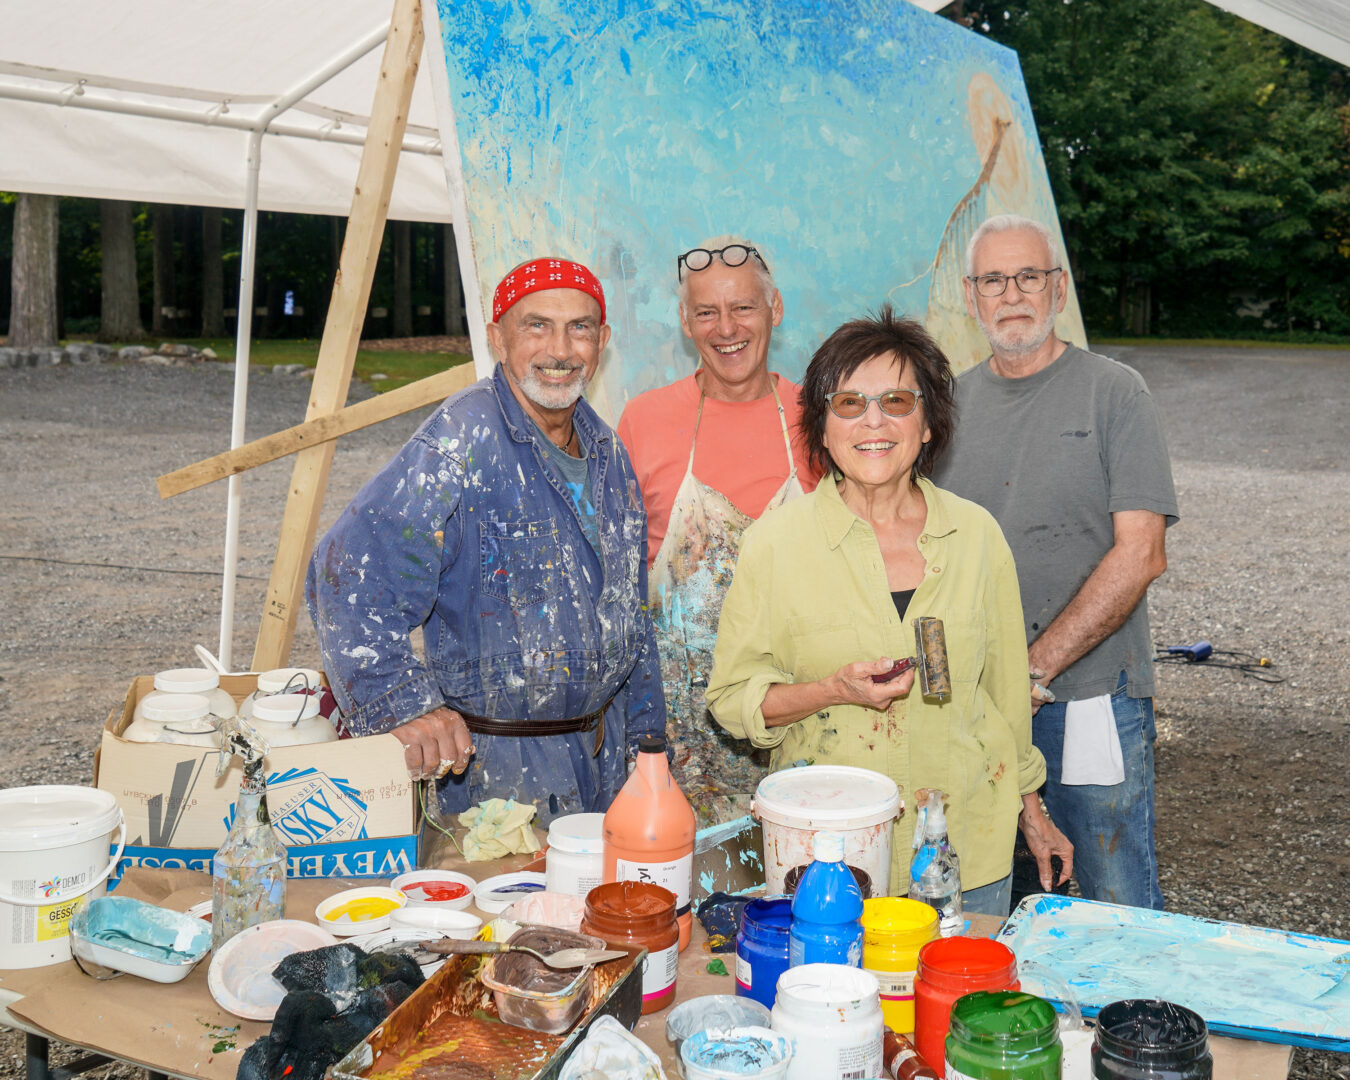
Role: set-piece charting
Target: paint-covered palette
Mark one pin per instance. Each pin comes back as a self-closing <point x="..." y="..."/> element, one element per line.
<point x="1247" y="981"/>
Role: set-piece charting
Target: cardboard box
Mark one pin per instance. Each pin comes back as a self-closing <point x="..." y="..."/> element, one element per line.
<point x="342" y="809"/>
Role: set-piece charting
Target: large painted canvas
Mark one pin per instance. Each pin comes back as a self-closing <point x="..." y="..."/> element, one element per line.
<point x="857" y="144"/>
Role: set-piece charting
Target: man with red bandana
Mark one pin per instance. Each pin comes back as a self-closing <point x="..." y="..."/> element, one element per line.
<point x="713" y="451"/>
<point x="510" y="530"/>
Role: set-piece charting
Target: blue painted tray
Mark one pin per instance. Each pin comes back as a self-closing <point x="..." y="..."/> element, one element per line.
<point x="1246" y="981"/>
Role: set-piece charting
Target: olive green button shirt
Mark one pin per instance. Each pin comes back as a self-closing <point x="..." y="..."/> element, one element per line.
<point x="810" y="595"/>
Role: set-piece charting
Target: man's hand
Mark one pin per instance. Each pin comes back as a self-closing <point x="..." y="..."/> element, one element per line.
<point x="435" y="743"/>
<point x="1045" y="840"/>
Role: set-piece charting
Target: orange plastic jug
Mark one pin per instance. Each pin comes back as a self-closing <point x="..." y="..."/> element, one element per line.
<point x="649" y="831"/>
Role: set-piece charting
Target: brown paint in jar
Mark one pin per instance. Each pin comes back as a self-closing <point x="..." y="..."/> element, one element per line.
<point x="639" y="913"/>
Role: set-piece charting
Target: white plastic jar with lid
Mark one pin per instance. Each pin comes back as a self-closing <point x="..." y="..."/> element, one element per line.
<point x="190" y="680"/>
<point x="575" y="861"/>
<point x="833" y="1015"/>
<point x="290" y="720"/>
<point x="174" y="718"/>
<point x="286" y="680"/>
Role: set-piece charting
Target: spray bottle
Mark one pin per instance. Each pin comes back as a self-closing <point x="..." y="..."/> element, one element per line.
<point x="934" y="869"/>
<point x="248" y="873"/>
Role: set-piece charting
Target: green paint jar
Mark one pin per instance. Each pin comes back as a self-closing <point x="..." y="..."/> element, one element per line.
<point x="1003" y="1035"/>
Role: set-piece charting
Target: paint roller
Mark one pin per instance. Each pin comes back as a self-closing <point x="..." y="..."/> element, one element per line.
<point x="930" y="657"/>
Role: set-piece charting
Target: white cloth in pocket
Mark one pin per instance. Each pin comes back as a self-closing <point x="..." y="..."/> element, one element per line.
<point x="1091" y="744"/>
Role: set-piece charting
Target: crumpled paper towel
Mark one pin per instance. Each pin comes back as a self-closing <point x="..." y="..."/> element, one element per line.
<point x="611" y="1052"/>
<point x="498" y="827"/>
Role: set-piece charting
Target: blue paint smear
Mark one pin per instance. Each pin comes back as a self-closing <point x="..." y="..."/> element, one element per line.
<point x="840" y="138"/>
<point x="1247" y="981"/>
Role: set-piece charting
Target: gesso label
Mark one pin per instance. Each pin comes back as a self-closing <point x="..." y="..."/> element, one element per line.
<point x="676" y="876"/>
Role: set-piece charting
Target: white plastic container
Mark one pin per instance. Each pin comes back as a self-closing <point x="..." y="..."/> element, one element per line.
<point x="174" y="718"/>
<point x="832" y="1015"/>
<point x="286" y="680"/>
<point x="495" y="894"/>
<point x="435" y="889"/>
<point x="290" y="720"/>
<point x="191" y="680"/>
<point x="54" y="842"/>
<point x="575" y="862"/>
<point x="859" y="804"/>
<point x="735" y="1054"/>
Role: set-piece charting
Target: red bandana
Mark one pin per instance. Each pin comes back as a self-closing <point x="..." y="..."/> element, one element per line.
<point x="544" y="274"/>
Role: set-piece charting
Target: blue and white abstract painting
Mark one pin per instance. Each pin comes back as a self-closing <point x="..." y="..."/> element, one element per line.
<point x="856" y="144"/>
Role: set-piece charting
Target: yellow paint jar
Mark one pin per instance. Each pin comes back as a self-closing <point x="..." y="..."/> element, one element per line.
<point x="894" y="929"/>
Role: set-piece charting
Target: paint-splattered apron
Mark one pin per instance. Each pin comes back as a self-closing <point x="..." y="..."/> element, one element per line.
<point x="688" y="582"/>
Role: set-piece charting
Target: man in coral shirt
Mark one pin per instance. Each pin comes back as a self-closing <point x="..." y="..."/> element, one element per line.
<point x="712" y="451"/>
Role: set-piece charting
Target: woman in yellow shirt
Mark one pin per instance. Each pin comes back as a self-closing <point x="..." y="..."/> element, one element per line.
<point x="826" y="586"/>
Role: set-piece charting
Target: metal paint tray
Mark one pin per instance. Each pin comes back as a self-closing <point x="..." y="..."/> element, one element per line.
<point x="1246" y="981"/>
<point x="448" y="1029"/>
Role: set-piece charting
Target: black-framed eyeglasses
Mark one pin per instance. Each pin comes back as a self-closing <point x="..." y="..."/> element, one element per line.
<point x="701" y="258"/>
<point x="850" y="404"/>
<point x="1028" y="281"/>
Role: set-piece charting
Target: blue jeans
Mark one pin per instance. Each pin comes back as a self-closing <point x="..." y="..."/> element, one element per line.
<point x="992" y="899"/>
<point x="1111" y="828"/>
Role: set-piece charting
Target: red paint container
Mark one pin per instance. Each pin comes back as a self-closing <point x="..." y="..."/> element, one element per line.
<point x="639" y="913"/>
<point x="949" y="968"/>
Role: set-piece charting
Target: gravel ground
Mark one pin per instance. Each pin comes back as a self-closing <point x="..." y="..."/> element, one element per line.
<point x="100" y="580"/>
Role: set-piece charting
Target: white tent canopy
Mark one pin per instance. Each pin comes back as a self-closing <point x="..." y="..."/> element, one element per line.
<point x="154" y="101"/>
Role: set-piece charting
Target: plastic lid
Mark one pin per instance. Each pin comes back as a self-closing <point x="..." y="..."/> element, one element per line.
<point x="186" y="680"/>
<point x="173" y="708"/>
<point x="581" y="833"/>
<point x="652" y="744"/>
<point x="280" y="680"/>
<point x="828" y="847"/>
<point x="54" y="815"/>
<point x="969" y="963"/>
<point x="285" y="708"/>
<point x="827" y="797"/>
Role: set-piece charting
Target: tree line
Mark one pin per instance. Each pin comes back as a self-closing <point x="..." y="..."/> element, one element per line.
<point x="1200" y="164"/>
<point x="123" y="272"/>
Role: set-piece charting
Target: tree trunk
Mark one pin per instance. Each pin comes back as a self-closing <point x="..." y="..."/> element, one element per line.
<point x="454" y="301"/>
<point x="120" y="313"/>
<point x="33" y="314"/>
<point x="402" y="279"/>
<point x="213" y="275"/>
<point x="162" y="222"/>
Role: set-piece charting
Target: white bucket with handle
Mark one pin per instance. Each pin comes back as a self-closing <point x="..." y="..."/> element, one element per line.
<point x="54" y="855"/>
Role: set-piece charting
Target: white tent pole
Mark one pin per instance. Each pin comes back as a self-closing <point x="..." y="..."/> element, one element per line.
<point x="243" y="335"/>
<point x="244" y="321"/>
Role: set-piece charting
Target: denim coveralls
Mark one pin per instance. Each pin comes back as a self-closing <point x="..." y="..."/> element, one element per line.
<point x="470" y="534"/>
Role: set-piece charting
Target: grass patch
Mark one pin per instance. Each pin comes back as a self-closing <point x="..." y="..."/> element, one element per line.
<point x="400" y="367"/>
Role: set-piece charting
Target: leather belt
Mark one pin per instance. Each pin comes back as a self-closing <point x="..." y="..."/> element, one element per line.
<point x="483" y="725"/>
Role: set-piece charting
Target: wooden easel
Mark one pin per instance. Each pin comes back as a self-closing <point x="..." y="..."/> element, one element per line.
<point x="326" y="418"/>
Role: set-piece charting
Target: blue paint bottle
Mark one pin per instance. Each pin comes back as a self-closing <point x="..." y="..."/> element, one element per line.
<point x="762" y="948"/>
<point x="827" y="909"/>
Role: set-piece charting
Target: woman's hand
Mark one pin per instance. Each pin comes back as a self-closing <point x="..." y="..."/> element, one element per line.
<point x="435" y="743"/>
<point x="1044" y="839"/>
<point x="786" y="703"/>
<point x="853" y="684"/>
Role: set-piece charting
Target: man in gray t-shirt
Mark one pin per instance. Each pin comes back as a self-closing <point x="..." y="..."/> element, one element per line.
<point x="1066" y="449"/>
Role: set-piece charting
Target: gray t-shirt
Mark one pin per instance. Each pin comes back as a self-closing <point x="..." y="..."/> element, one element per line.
<point x="575" y="474"/>
<point x="1052" y="457"/>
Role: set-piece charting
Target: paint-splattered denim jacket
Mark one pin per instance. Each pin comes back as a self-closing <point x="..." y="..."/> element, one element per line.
<point x="469" y="535"/>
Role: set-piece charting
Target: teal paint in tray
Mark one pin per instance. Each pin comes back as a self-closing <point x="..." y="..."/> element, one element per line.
<point x="1246" y="981"/>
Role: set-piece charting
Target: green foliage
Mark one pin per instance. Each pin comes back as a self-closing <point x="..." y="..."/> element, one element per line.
<point x="1197" y="161"/>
